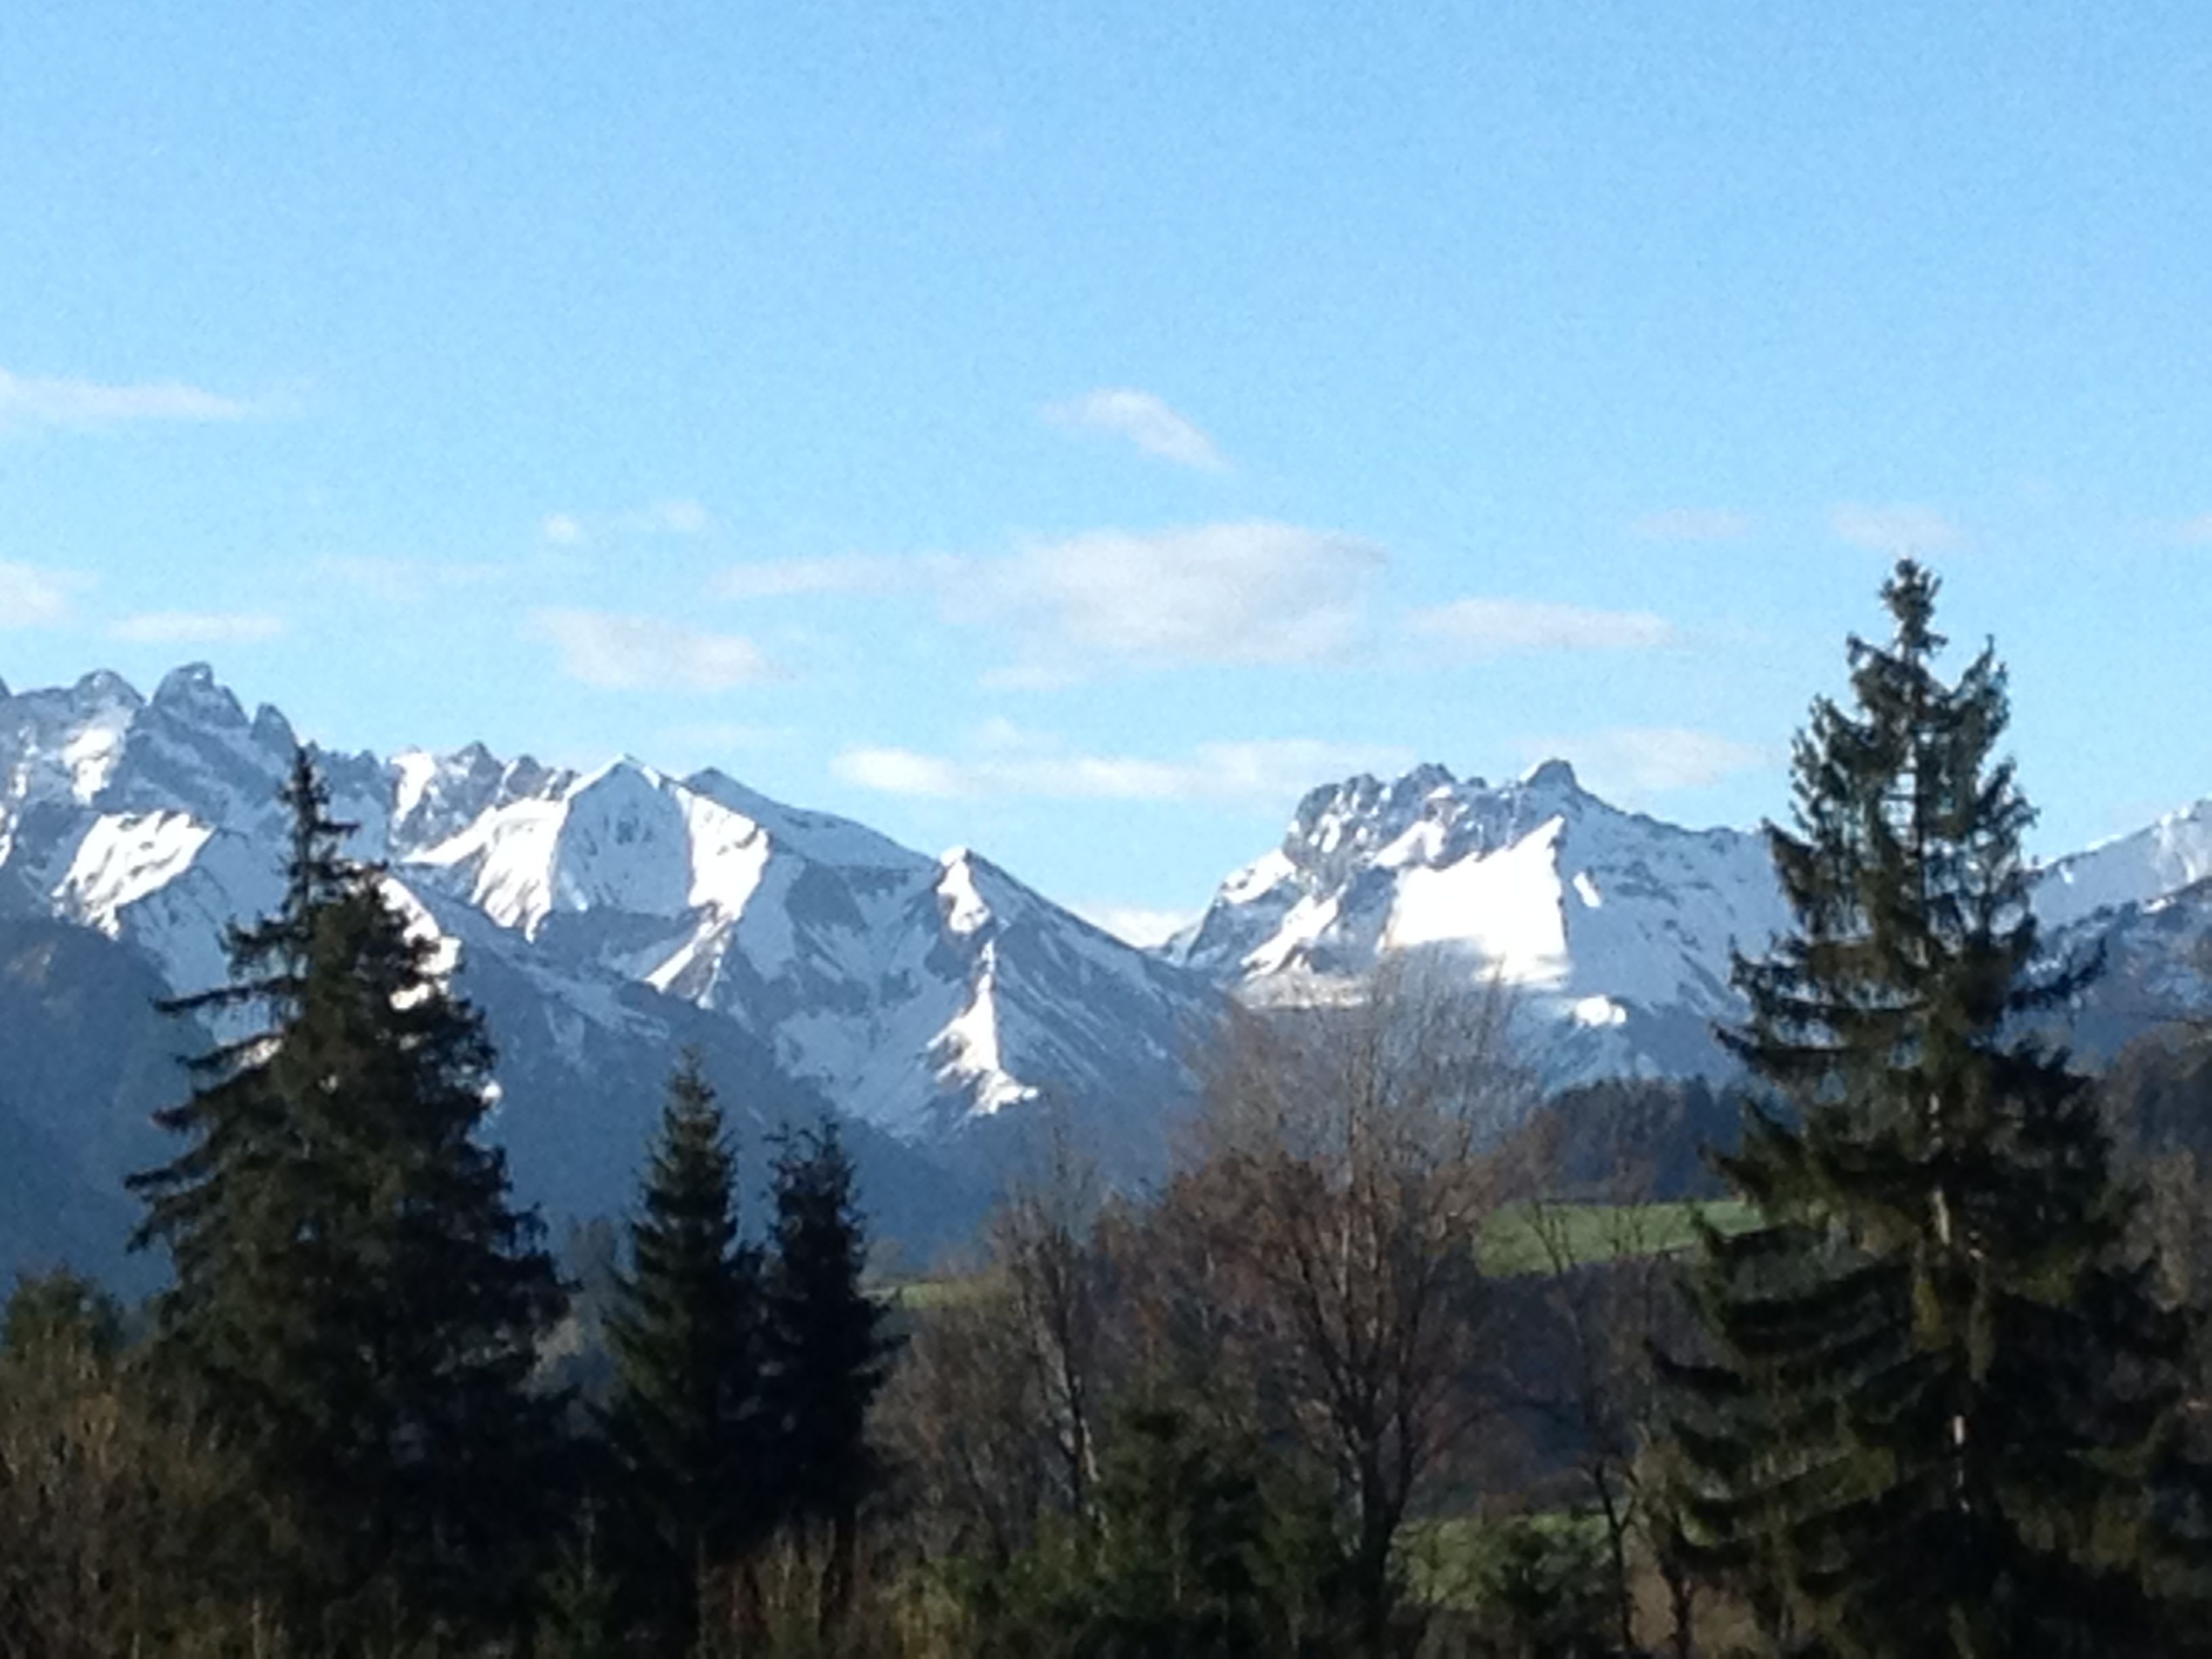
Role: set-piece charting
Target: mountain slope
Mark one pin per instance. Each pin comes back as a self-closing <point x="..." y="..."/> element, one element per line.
<point x="605" y="918"/>
<point x="2161" y="857"/>
<point x="1612" y="930"/>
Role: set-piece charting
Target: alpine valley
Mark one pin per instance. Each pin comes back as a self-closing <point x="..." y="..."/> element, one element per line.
<point x="603" y="921"/>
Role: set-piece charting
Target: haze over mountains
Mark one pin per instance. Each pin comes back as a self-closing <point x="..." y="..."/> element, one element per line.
<point x="605" y="919"/>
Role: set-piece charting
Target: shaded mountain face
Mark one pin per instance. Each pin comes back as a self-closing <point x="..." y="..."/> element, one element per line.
<point x="603" y="921"/>
<point x="85" y="1060"/>
<point x="1612" y="932"/>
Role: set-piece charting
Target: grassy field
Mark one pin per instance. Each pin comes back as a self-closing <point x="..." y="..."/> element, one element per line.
<point x="1449" y="1559"/>
<point x="921" y="1295"/>
<point x="1526" y="1238"/>
<point x="1518" y="1240"/>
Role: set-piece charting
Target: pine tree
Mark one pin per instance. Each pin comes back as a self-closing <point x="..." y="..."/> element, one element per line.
<point x="827" y="1354"/>
<point x="685" y="1420"/>
<point x="356" y="1306"/>
<point x="1937" y="1384"/>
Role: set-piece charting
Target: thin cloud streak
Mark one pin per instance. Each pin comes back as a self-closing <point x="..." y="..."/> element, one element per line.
<point x="620" y="653"/>
<point x="32" y="597"/>
<point x="1223" y="594"/>
<point x="1214" y="594"/>
<point x="1145" y="420"/>
<point x="407" y="581"/>
<point x="1142" y="926"/>
<point x="1690" y="523"/>
<point x="1901" y="527"/>
<point x="1630" y="763"/>
<point x="839" y="572"/>
<point x="677" y="517"/>
<point x="1488" y="628"/>
<point x="196" y="627"/>
<point x="36" y="401"/>
<point x="1255" y="774"/>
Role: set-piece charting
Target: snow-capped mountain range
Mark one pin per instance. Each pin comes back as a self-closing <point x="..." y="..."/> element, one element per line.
<point x="1614" y="931"/>
<point x="604" y="918"/>
<point x="913" y="993"/>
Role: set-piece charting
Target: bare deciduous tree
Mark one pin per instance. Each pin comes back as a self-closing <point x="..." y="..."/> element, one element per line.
<point x="1344" y="1181"/>
<point x="1041" y="1247"/>
<point x="994" y="1412"/>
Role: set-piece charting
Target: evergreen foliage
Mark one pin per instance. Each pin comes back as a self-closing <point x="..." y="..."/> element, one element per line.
<point x="1938" y="1389"/>
<point x="685" y="1421"/>
<point x="60" y="1310"/>
<point x="356" y="1306"/>
<point x="827" y="1350"/>
<point x="1204" y="1542"/>
<point x="1543" y="1593"/>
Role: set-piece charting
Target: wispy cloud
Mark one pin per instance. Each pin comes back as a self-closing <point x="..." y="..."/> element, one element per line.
<point x="1692" y="524"/>
<point x="407" y="582"/>
<point x="694" y="739"/>
<point x="31" y="400"/>
<point x="1628" y="763"/>
<point x="1139" y="925"/>
<point x="1145" y="420"/>
<point x="1497" y="627"/>
<point x="1220" y="593"/>
<point x="678" y="517"/>
<point x="1255" y="593"/>
<point x="836" y="572"/>
<point x="1263" y="773"/>
<point x="2195" y="532"/>
<point x="197" y="627"/>
<point x="1901" y="527"/>
<point x="644" y="653"/>
<point x="32" y="597"/>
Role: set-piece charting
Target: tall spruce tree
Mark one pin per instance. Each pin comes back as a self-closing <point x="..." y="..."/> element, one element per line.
<point x="685" y="1420"/>
<point x="357" y="1304"/>
<point x="828" y="1353"/>
<point x="1938" y="1399"/>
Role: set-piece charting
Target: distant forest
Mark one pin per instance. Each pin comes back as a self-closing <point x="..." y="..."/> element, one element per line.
<point x="1895" y="1348"/>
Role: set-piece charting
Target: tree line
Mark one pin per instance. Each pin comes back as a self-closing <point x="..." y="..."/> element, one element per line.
<point x="1392" y="1361"/>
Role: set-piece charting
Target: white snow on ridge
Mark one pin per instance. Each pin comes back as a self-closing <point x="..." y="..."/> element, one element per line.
<point x="413" y="771"/>
<point x="917" y="993"/>
<point x="2173" y="853"/>
<point x="91" y="753"/>
<point x="122" y="858"/>
<point x="964" y="909"/>
<point x="1589" y="914"/>
<point x="1504" y="907"/>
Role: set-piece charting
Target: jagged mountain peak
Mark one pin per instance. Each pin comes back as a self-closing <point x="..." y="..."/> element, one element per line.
<point x="817" y="833"/>
<point x="1553" y="777"/>
<point x="1613" y="929"/>
<point x="101" y="686"/>
<point x="919" y="994"/>
<point x="1422" y="815"/>
<point x="193" y="688"/>
<point x="624" y="772"/>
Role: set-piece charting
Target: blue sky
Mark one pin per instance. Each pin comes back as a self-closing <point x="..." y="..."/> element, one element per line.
<point x="1072" y="430"/>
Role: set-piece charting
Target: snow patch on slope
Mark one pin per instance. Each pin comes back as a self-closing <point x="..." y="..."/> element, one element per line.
<point x="122" y="858"/>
